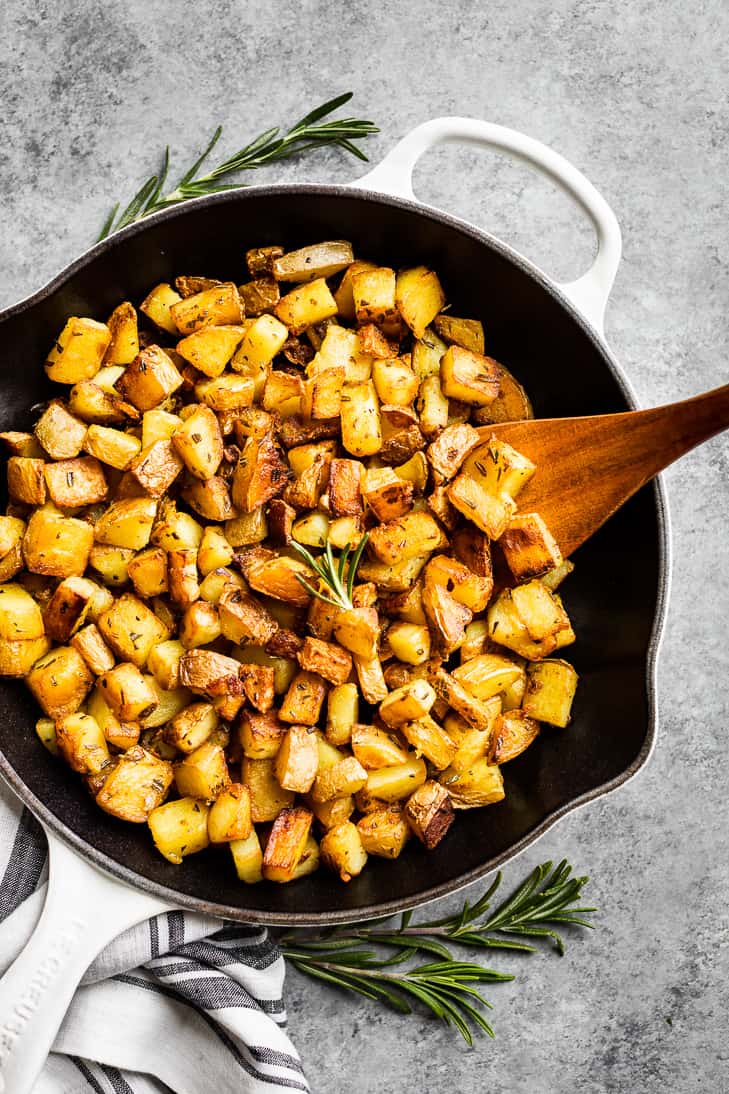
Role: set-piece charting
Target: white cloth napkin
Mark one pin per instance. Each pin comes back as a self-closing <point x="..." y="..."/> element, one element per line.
<point x="183" y="1003"/>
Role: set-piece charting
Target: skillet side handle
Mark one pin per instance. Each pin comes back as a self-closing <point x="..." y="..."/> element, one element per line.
<point x="84" y="910"/>
<point x="394" y="175"/>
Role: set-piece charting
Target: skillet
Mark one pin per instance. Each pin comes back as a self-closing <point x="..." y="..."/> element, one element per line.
<point x="106" y="875"/>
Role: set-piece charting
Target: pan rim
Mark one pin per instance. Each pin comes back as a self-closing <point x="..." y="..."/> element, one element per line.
<point x="379" y="909"/>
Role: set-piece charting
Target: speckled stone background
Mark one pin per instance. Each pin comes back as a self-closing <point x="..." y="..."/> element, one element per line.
<point x="636" y="95"/>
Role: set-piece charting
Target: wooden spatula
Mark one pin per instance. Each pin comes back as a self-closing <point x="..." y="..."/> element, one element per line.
<point x="587" y="467"/>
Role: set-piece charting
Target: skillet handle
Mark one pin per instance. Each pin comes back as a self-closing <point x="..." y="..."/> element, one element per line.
<point x="84" y="910"/>
<point x="394" y="175"/>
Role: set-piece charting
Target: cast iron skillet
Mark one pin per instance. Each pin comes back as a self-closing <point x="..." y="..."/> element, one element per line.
<point x="616" y="597"/>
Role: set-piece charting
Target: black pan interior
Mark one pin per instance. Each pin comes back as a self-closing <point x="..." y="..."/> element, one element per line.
<point x="613" y="596"/>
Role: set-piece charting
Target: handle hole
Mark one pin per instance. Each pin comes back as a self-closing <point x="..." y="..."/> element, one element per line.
<point x="512" y="201"/>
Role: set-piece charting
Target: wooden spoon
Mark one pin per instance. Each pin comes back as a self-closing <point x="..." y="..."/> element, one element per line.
<point x="588" y="467"/>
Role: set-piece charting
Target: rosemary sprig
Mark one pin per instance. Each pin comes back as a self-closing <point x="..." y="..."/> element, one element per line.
<point x="268" y="147"/>
<point x="332" y="573"/>
<point x="445" y="987"/>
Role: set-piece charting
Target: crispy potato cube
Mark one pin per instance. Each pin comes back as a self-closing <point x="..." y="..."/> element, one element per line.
<point x="429" y="812"/>
<point x="478" y="713"/>
<point x="384" y="832"/>
<point x="342" y="713"/>
<point x="325" y="659"/>
<point x="192" y="727"/>
<point x="229" y="392"/>
<point x="20" y="615"/>
<point x="214" y="551"/>
<point x="482" y="784"/>
<point x="426" y="355"/>
<point x="211" y="588"/>
<point x="211" y="498"/>
<point x="306" y="305"/>
<point x="407" y="703"/>
<point x="303" y="701"/>
<point x="78" y="351"/>
<point x="361" y="424"/>
<point x="448" y="451"/>
<point x="344" y="295"/>
<point x="148" y="572"/>
<point x="345" y="490"/>
<point x="150" y="379"/>
<point x="203" y="773"/>
<point x="230" y="815"/>
<point x="18" y="443"/>
<point x="131" y="629"/>
<point x="286" y="843"/>
<point x="309" y="861"/>
<point x="164" y="663"/>
<point x="529" y="547"/>
<point x="211" y="348"/>
<point x="472" y="744"/>
<point x="391" y="784"/>
<point x="393" y="579"/>
<point x="12" y="530"/>
<point x="82" y="743"/>
<point x="66" y="610"/>
<point x="297" y="760"/>
<point x="432" y="406"/>
<point x="127" y="693"/>
<point x="513" y="733"/>
<point x="402" y="436"/>
<point x="136" y="786"/>
<point x="467" y="588"/>
<point x="373" y="343"/>
<point x="488" y="674"/>
<point x="260" y="295"/>
<point x="539" y="610"/>
<point x="374" y="748"/>
<point x="489" y="513"/>
<point x="373" y="292"/>
<point x="18" y="657"/>
<point x="258" y="685"/>
<point x="218" y="306"/>
<point x="430" y="740"/>
<point x="243" y="618"/>
<point x="261" y="474"/>
<point x="199" y="442"/>
<point x="312" y="529"/>
<point x="155" y="468"/>
<point x="371" y="678"/>
<point x="56" y="545"/>
<point x="331" y="813"/>
<point x="387" y="495"/>
<point x="94" y="650"/>
<point x="395" y="382"/>
<point x="470" y="377"/>
<point x="414" y="534"/>
<point x="419" y="297"/>
<point x="59" y="432"/>
<point x="12" y="562"/>
<point x="45" y="729"/>
<point x="284" y="393"/>
<point x="169" y="704"/>
<point x="550" y="690"/>
<point x="511" y="405"/>
<point x="248" y="858"/>
<point x="499" y="468"/>
<point x="26" y="480"/>
<point x="259" y="260"/>
<point x="180" y="828"/>
<point x="554" y="578"/>
<point x="77" y="482"/>
<point x="338" y="780"/>
<point x="342" y="851"/>
<point x="111" y="563"/>
<point x="176" y="531"/>
<point x="358" y="630"/>
<point x="410" y="642"/>
<point x="467" y="333"/>
<point x="322" y="394"/>
<point x="124" y="344"/>
<point x="156" y="306"/>
<point x="317" y="260"/>
<point x="261" y="734"/>
<point x="126" y="523"/>
<point x="60" y="681"/>
<point x="268" y="797"/>
<point x="446" y="617"/>
<point x="92" y="403"/>
<point x="414" y="470"/>
<point x="346" y="530"/>
<point x="111" y="446"/>
<point x="208" y="673"/>
<point x="199" y="625"/>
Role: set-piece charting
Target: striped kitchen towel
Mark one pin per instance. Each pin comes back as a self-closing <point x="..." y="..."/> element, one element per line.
<point x="183" y="1003"/>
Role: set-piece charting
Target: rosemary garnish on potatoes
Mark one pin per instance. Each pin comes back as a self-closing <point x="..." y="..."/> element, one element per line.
<point x="545" y="900"/>
<point x="267" y="147"/>
<point x="333" y="573"/>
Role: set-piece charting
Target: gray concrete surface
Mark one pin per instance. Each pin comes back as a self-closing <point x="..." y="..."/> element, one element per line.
<point x="636" y="95"/>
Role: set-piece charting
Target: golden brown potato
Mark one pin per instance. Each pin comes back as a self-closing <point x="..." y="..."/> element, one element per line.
<point x="259" y="296"/>
<point x="448" y="451"/>
<point x="407" y="703"/>
<point x="137" y="784"/>
<point x="384" y="831"/>
<point x="155" y="468"/>
<point x="513" y="733"/>
<point x="230" y="815"/>
<point x="60" y="433"/>
<point x="131" y="629"/>
<point x="550" y="690"/>
<point x="470" y="377"/>
<point x="414" y="534"/>
<point x="179" y="828"/>
<point x="123" y="327"/>
<point x="342" y="851"/>
<point x="306" y="305"/>
<point x="126" y="523"/>
<point x="26" y="480"/>
<point x="446" y="617"/>
<point x="67" y="608"/>
<point x="529" y="547"/>
<point x="511" y="404"/>
<point x="94" y="650"/>
<point x="128" y="694"/>
<point x="78" y="351"/>
<point x="286" y="843"/>
<point x="430" y="740"/>
<point x="73" y="483"/>
<point x="261" y="474"/>
<point x="268" y="797"/>
<point x="150" y="379"/>
<point x="303" y="701"/>
<point x="429" y="812"/>
<point x="203" y="773"/>
<point x="419" y="297"/>
<point x="460" y="332"/>
<point x="297" y="759"/>
<point x="387" y="495"/>
<point x="219" y="305"/>
<point x="309" y="263"/>
<point x="360" y="419"/>
<point x="374" y="748"/>
<point x="326" y="659"/>
<point x="259" y="260"/>
<point x="82" y="743"/>
<point x="466" y="587"/>
<point x="373" y="292"/>
<point x="481" y="785"/>
<point x="60" y="681"/>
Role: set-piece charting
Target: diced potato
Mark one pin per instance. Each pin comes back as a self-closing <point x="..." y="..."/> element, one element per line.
<point x="78" y="351"/>
<point x="66" y="610"/>
<point x="430" y="740"/>
<point x="122" y="735"/>
<point x="550" y="690"/>
<point x="317" y="260"/>
<point x="345" y="488"/>
<point x="407" y="537"/>
<point x="513" y="733"/>
<point x="199" y="442"/>
<point x="243" y="618"/>
<point x="344" y="777"/>
<point x="346" y="531"/>
<point x="467" y="588"/>
<point x="180" y="828"/>
<point x="481" y="785"/>
<point x="136" y="785"/>
<point x="472" y="744"/>
<point x="489" y="513"/>
<point x="199" y="625"/>
<point x="229" y="392"/>
<point x="371" y="678"/>
<point x="429" y="812"/>
<point x="182" y="576"/>
<point x="111" y="563"/>
<point x="20" y="615"/>
<point x="154" y="469"/>
<point x="467" y="333"/>
<point x="26" y="480"/>
<point x="94" y="650"/>
<point x="211" y="348"/>
<point x="214" y="551"/>
<point x="395" y="382"/>
<point x="192" y="726"/>
<point x="297" y="759"/>
<point x="342" y="851"/>
<point x="446" y="617"/>
<point x="373" y="293"/>
<point x="261" y="474"/>
<point x="342" y="713"/>
<point x="127" y="693"/>
<point x="157" y="305"/>
<point x="169" y="704"/>
<point x="414" y="470"/>
<point x="131" y="629"/>
<point x="211" y="588"/>
<point x="344" y="295"/>
<point x="111" y="446"/>
<point x="407" y="703"/>
<point x="309" y="861"/>
<point x="432" y="406"/>
<point x="46" y="730"/>
<point x="384" y="832"/>
<point x="478" y="713"/>
<point x="322" y="394"/>
<point x="268" y="797"/>
<point x="261" y="734"/>
<point x="360" y="419"/>
<point x="499" y="468"/>
<point x="259" y="296"/>
<point x="387" y="494"/>
<point x="259" y="260"/>
<point x="374" y="748"/>
<point x="286" y="844"/>
<point x="82" y="743"/>
<point x="59" y="432"/>
<point x="124" y="344"/>
<point x="208" y="673"/>
<point x="303" y="701"/>
<point x="326" y="659"/>
<point x="394" y="783"/>
<point x="126" y="523"/>
<point x="203" y="773"/>
<point x="73" y="483"/>
<point x="150" y="379"/>
<point x="60" y="681"/>
<point x="164" y="663"/>
<point x="410" y="642"/>
<point x="90" y="402"/>
<point x="470" y="377"/>
<point x="448" y="451"/>
<point x="529" y="547"/>
<point x="158" y="425"/>
<point x="487" y="675"/>
<point x="396" y="578"/>
<point x="358" y="630"/>
<point x="554" y="578"/>
<point x="419" y="298"/>
<point x="284" y="393"/>
<point x="18" y="657"/>
<point x="148" y="572"/>
<point x="217" y="306"/>
<point x="257" y="682"/>
<point x="306" y="305"/>
<point x="176" y="531"/>
<point x="248" y="858"/>
<point x="312" y="529"/>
